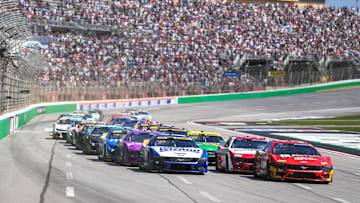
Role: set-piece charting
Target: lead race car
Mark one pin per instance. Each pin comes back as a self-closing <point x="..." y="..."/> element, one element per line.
<point x="292" y="160"/>
<point x="174" y="153"/>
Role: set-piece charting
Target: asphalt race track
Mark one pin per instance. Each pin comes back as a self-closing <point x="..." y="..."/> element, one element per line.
<point x="36" y="168"/>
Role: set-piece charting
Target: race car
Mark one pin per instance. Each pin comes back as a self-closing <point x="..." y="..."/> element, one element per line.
<point x="85" y="129"/>
<point x="144" y="115"/>
<point x="61" y="126"/>
<point x="172" y="130"/>
<point x="72" y="131"/>
<point x="292" y="160"/>
<point x="92" y="139"/>
<point x="108" y="143"/>
<point x="237" y="155"/>
<point x="173" y="153"/>
<point x="120" y="120"/>
<point x="127" y="149"/>
<point x="96" y="114"/>
<point x="130" y="124"/>
<point x="143" y="125"/>
<point x="208" y="141"/>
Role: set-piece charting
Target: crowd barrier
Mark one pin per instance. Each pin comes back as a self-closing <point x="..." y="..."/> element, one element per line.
<point x="14" y="120"/>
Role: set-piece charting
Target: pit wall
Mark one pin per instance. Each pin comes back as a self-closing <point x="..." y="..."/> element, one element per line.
<point x="12" y="121"/>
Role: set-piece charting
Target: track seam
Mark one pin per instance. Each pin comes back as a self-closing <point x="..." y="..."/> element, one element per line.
<point x="178" y="188"/>
<point x="42" y="195"/>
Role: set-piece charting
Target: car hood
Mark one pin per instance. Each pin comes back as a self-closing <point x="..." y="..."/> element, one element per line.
<point x="302" y="160"/>
<point x="187" y="152"/>
<point x="208" y="147"/>
<point x="62" y="126"/>
<point x="135" y="146"/>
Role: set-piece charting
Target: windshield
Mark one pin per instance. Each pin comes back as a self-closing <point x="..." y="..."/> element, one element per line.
<point x="100" y="130"/>
<point x="139" y="137"/>
<point x="118" y="135"/>
<point x="65" y="122"/>
<point x="248" y="144"/>
<point x="175" y="143"/>
<point x="130" y="124"/>
<point x="208" y="138"/>
<point x="294" y="149"/>
<point x="143" y="113"/>
<point x="120" y="121"/>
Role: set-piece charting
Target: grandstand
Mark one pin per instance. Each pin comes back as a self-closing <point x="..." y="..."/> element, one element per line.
<point x="184" y="47"/>
<point x="301" y="3"/>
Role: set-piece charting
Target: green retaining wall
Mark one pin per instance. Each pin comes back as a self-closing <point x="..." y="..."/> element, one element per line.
<point x="253" y="95"/>
<point x="60" y="108"/>
<point x="27" y="116"/>
<point x="4" y="127"/>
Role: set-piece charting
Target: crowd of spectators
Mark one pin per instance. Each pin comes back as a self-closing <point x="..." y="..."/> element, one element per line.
<point x="165" y="42"/>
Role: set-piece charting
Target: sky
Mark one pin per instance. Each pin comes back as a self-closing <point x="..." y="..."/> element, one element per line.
<point x="341" y="3"/>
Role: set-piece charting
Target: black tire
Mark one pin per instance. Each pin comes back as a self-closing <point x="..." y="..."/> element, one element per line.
<point x="121" y="157"/>
<point x="216" y="164"/>
<point x="254" y="169"/>
<point x="227" y="165"/>
<point x="100" y="157"/>
<point x="117" y="157"/>
<point x="267" y="176"/>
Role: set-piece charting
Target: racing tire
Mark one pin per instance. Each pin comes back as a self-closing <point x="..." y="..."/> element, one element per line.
<point x="216" y="165"/>
<point x="267" y="176"/>
<point x="227" y="170"/>
<point x="121" y="157"/>
<point x="254" y="171"/>
<point x="101" y="156"/>
<point x="117" y="157"/>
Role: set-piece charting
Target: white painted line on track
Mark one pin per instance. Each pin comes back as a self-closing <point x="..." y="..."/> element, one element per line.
<point x="70" y="192"/>
<point x="357" y="174"/>
<point x="341" y="200"/>
<point x="48" y="129"/>
<point x="68" y="164"/>
<point x="302" y="186"/>
<point x="68" y="156"/>
<point x="69" y="176"/>
<point x="210" y="197"/>
<point x="184" y="180"/>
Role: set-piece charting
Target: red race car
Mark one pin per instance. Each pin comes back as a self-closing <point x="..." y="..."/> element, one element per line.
<point x="238" y="154"/>
<point x="292" y="160"/>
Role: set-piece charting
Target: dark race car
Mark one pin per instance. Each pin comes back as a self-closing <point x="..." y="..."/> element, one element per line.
<point x="127" y="151"/>
<point x="92" y="139"/>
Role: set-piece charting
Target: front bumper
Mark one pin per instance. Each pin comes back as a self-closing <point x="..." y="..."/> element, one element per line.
<point x="92" y="147"/>
<point x="132" y="157"/>
<point x="58" y="133"/>
<point x="243" y="165"/>
<point x="179" y="166"/>
<point x="309" y="175"/>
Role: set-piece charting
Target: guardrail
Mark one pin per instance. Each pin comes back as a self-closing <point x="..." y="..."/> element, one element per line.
<point x="12" y="121"/>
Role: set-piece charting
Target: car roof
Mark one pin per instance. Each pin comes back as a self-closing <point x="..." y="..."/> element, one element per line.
<point x="204" y="133"/>
<point x="290" y="142"/>
<point x="249" y="138"/>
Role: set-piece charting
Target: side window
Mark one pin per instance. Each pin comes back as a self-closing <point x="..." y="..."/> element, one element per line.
<point x="268" y="147"/>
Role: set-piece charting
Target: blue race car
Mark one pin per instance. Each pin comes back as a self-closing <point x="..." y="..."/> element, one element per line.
<point x="108" y="143"/>
<point x="175" y="153"/>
